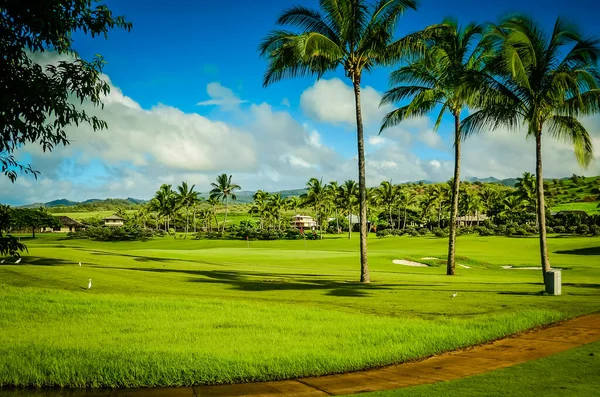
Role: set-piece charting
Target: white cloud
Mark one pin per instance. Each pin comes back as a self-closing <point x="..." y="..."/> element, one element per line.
<point x="332" y="101"/>
<point x="221" y="96"/>
<point x="430" y="138"/>
<point x="375" y="140"/>
<point x="285" y="102"/>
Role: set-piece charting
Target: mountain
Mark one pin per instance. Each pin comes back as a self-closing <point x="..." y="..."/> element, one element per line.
<point x="69" y="203"/>
<point x="490" y="179"/>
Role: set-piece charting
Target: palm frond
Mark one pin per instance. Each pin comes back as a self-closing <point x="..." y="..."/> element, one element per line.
<point x="569" y="129"/>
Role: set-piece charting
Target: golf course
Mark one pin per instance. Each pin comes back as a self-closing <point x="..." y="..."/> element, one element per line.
<point x="174" y="312"/>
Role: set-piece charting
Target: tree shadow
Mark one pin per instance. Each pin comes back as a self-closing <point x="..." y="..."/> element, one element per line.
<point x="259" y="281"/>
<point x="582" y="285"/>
<point x="539" y="293"/>
<point x="581" y="251"/>
<point x="39" y="261"/>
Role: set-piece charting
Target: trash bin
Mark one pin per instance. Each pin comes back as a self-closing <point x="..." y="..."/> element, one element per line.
<point x="553" y="282"/>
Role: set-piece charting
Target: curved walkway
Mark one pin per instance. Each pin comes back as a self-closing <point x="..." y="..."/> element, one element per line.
<point x="457" y="364"/>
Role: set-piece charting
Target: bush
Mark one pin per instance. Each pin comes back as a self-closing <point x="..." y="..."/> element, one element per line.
<point x="550" y="229"/>
<point x="501" y="230"/>
<point x="510" y="231"/>
<point x="439" y="232"/>
<point x="583" y="229"/>
<point x="423" y="231"/>
<point x="484" y="231"/>
<point x="124" y="233"/>
<point x="595" y="230"/>
<point x="383" y="233"/>
<point x="397" y="232"/>
<point x="521" y="231"/>
<point x="412" y="232"/>
<point x="572" y="229"/>
<point x="559" y="229"/>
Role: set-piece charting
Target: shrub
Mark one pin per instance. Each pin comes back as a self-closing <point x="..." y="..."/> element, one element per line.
<point x="124" y="233"/>
<point x="510" y="231"/>
<point x="583" y="229"/>
<point x="484" y="231"/>
<point x="383" y="233"/>
<point x="412" y="232"/>
<point x="595" y="230"/>
<point x="550" y="229"/>
<point x="521" y="231"/>
<point x="559" y="229"/>
<point x="397" y="232"/>
<point x="423" y="231"/>
<point x="438" y="232"/>
<point x="572" y="229"/>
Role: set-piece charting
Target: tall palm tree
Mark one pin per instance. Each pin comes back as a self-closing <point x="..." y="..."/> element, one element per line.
<point x="348" y="200"/>
<point x="196" y="202"/>
<point x="387" y="196"/>
<point x="408" y="198"/>
<point x="224" y="190"/>
<point x="441" y="77"/>
<point x="543" y="83"/>
<point x="315" y="195"/>
<point x="186" y="196"/>
<point x="526" y="189"/>
<point x="275" y="205"/>
<point x="333" y="189"/>
<point x="212" y="202"/>
<point x="293" y="203"/>
<point x="259" y="205"/>
<point x="165" y="203"/>
<point x="354" y="34"/>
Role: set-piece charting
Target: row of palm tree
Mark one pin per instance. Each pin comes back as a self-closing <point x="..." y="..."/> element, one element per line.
<point x="511" y="74"/>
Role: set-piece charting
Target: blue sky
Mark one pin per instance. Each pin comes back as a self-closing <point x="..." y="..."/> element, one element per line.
<point x="184" y="52"/>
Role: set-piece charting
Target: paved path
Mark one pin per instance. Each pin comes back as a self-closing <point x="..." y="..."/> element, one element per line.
<point x="458" y="364"/>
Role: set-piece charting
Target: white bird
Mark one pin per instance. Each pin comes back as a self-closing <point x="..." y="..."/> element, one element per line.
<point x="2" y="260"/>
<point x="454" y="295"/>
<point x="79" y="264"/>
<point x="90" y="284"/>
<point x="18" y="261"/>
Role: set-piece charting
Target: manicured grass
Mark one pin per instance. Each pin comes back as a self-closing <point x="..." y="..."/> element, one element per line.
<point x="571" y="373"/>
<point x="81" y="216"/>
<point x="179" y="312"/>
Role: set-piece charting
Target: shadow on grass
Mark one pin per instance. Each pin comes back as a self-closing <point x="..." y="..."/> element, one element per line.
<point x="539" y="293"/>
<point x="39" y="261"/>
<point x="581" y="251"/>
<point x="582" y="285"/>
<point x="257" y="281"/>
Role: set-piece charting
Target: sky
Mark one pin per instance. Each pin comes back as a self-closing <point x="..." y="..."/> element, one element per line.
<point x="187" y="103"/>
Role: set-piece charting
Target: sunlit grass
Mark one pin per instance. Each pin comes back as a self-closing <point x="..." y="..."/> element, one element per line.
<point x="180" y="312"/>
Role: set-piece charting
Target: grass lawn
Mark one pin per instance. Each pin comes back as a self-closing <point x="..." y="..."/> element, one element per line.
<point x="571" y="373"/>
<point x="172" y="312"/>
<point x="82" y="216"/>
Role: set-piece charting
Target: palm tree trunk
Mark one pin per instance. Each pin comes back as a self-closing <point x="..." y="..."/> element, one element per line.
<point x="349" y="224"/>
<point x="187" y="220"/>
<point x="390" y="215"/>
<point x="450" y="266"/>
<point x="541" y="208"/>
<point x="337" y="222"/>
<point x="194" y="220"/>
<point x="225" y="218"/>
<point x="362" y="188"/>
<point x="404" y="218"/>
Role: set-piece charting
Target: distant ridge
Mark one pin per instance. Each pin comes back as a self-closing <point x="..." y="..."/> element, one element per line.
<point x="245" y="196"/>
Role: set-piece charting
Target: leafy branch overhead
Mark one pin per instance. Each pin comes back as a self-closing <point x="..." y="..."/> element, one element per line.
<point x="39" y="102"/>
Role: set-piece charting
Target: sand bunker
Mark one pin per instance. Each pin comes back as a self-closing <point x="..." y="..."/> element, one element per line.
<point x="408" y="263"/>
<point x="429" y="258"/>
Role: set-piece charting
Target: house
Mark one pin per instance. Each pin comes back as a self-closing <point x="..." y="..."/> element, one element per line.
<point x="66" y="225"/>
<point x="114" y="221"/>
<point x="470" y="220"/>
<point x="304" y="222"/>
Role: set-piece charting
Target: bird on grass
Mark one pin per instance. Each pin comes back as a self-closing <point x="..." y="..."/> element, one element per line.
<point x="79" y="264"/>
<point x="2" y="261"/>
<point x="18" y="261"/>
<point x="90" y="284"/>
<point x="454" y="295"/>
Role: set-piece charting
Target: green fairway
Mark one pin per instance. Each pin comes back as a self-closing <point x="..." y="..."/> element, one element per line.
<point x="571" y="373"/>
<point x="590" y="208"/>
<point x="179" y="312"/>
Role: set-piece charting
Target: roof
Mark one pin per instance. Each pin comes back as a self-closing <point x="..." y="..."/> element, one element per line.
<point x="114" y="217"/>
<point x="66" y="221"/>
<point x="578" y="212"/>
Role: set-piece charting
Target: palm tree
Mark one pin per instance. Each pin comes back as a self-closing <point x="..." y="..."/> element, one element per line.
<point x="333" y="190"/>
<point x="196" y="202"/>
<point x="165" y="203"/>
<point x="356" y="34"/>
<point x="275" y="205"/>
<point x="348" y="200"/>
<point x="540" y="81"/>
<point x="293" y="203"/>
<point x="441" y="78"/>
<point x="386" y="194"/>
<point x="186" y="196"/>
<point x="316" y="195"/>
<point x="408" y="198"/>
<point x="259" y="206"/>
<point x="213" y="202"/>
<point x="224" y="189"/>
<point x="526" y="190"/>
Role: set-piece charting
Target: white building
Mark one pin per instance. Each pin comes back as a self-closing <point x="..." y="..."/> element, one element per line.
<point x="304" y="222"/>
